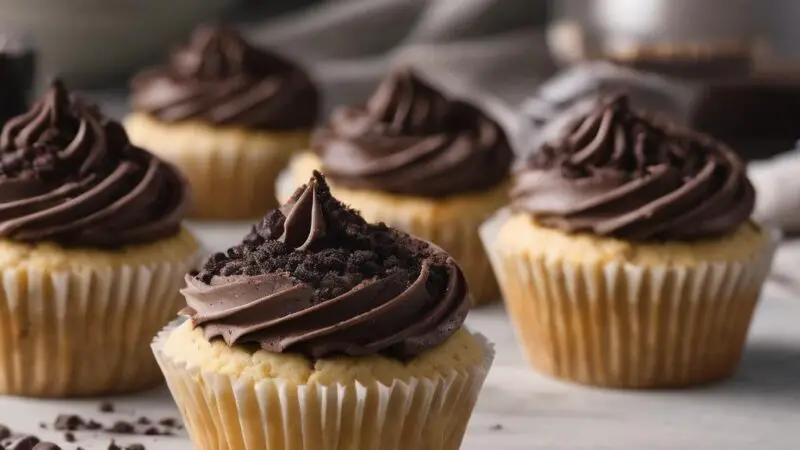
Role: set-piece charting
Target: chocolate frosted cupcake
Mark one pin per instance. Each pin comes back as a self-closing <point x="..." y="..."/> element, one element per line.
<point x="228" y="115"/>
<point x="321" y="330"/>
<point x="91" y="252"/>
<point x="627" y="258"/>
<point x="424" y="163"/>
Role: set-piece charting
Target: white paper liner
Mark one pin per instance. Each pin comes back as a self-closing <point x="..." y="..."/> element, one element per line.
<point x="458" y="239"/>
<point x="84" y="332"/>
<point x="230" y="413"/>
<point x="621" y="325"/>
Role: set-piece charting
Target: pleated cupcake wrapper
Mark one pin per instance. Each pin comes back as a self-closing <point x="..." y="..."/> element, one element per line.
<point x="460" y="239"/>
<point x="80" y="333"/>
<point x="236" y="413"/>
<point x="231" y="178"/>
<point x="619" y="325"/>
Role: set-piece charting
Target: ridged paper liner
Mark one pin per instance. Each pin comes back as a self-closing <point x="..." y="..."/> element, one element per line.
<point x="232" y="172"/>
<point x="224" y="412"/>
<point x="625" y="326"/>
<point x="72" y="333"/>
<point x="459" y="238"/>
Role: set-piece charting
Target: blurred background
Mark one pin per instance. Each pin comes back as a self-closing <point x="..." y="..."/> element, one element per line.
<point x="499" y="50"/>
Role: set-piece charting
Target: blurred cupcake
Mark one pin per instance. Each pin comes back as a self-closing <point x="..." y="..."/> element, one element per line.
<point x="91" y="252"/>
<point x="627" y="258"/>
<point x="429" y="165"/>
<point x="320" y="330"/>
<point x="228" y="115"/>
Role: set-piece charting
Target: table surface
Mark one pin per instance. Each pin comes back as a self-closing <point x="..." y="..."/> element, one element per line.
<point x="520" y="410"/>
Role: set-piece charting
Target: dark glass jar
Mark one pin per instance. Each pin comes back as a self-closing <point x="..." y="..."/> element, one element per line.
<point x="17" y="75"/>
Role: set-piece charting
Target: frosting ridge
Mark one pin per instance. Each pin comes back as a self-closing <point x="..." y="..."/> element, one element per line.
<point x="314" y="278"/>
<point x="411" y="139"/>
<point x="68" y="174"/>
<point x="219" y="78"/>
<point x="617" y="172"/>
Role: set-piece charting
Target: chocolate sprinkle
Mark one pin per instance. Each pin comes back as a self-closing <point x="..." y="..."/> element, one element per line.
<point x="168" y="422"/>
<point x="69" y="422"/>
<point x="107" y="407"/>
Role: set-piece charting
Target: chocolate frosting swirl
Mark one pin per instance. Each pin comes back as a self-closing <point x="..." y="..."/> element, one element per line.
<point x="410" y="139"/>
<point x="314" y="278"/>
<point x="70" y="175"/>
<point x="221" y="79"/>
<point x="619" y="173"/>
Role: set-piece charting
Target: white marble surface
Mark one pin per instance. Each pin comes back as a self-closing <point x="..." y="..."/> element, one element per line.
<point x="758" y="409"/>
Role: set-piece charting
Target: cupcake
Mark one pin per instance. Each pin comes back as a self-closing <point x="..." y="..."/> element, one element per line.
<point x="627" y="258"/>
<point x="321" y="330"/>
<point x="226" y="114"/>
<point x="429" y="165"/>
<point x="92" y="252"/>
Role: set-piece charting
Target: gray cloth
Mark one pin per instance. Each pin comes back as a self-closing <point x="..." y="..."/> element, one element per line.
<point x="493" y="48"/>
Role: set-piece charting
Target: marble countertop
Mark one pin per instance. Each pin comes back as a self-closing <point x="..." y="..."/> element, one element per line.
<point x="520" y="410"/>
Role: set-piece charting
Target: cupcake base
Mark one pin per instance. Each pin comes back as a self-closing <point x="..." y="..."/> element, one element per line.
<point x="451" y="223"/>
<point x="78" y="323"/>
<point x="234" y="401"/>
<point x="606" y="313"/>
<point x="232" y="171"/>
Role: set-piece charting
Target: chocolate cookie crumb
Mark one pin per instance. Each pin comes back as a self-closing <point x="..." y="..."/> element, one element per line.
<point x="46" y="446"/>
<point x="69" y="422"/>
<point x="168" y="422"/>
<point x="350" y="252"/>
<point x="113" y="446"/>
<point x="5" y="432"/>
<point x="496" y="427"/>
<point x="93" y="425"/>
<point x="69" y="437"/>
<point x="152" y="431"/>
<point x="107" y="407"/>
<point x="122" y="427"/>
<point x="24" y="443"/>
<point x="135" y="447"/>
<point x="144" y="421"/>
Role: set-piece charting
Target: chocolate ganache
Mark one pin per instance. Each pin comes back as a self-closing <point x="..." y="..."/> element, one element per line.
<point x="619" y="173"/>
<point x="314" y="278"/>
<point x="411" y="139"/>
<point x="69" y="175"/>
<point x="219" y="78"/>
